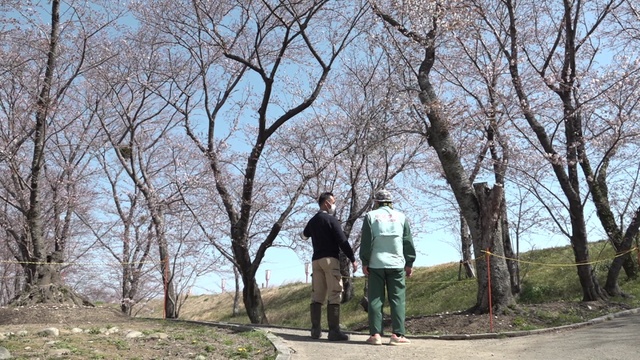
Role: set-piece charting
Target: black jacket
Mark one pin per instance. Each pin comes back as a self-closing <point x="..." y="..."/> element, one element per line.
<point x="327" y="237"/>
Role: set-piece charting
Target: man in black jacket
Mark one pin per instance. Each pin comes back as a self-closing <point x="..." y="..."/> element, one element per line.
<point x="327" y="238"/>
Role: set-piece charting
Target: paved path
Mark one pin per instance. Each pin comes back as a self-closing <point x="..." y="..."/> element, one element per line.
<point x="612" y="337"/>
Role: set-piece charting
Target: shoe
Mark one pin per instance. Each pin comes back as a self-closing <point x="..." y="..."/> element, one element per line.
<point x="374" y="340"/>
<point x="398" y="340"/>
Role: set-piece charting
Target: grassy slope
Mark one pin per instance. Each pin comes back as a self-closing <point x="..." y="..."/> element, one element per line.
<point x="547" y="275"/>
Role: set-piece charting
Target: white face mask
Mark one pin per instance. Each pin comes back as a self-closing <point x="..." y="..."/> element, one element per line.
<point x="332" y="209"/>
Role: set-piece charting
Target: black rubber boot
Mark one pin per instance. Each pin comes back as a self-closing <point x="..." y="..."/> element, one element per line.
<point x="316" y="314"/>
<point x="333" y="318"/>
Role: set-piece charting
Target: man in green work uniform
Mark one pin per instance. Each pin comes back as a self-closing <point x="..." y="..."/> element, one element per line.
<point x="387" y="255"/>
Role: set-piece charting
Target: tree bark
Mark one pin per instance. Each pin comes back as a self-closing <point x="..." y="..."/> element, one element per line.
<point x="236" y="295"/>
<point x="253" y="301"/>
<point x="170" y="303"/>
<point x="466" y="244"/>
<point x="600" y="195"/>
<point x="491" y="239"/>
<point x="611" y="286"/>
<point x="512" y="261"/>
<point x="347" y="281"/>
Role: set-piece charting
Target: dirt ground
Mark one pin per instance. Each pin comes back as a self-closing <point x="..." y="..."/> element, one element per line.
<point x="521" y="317"/>
<point x="104" y="336"/>
<point x="189" y="341"/>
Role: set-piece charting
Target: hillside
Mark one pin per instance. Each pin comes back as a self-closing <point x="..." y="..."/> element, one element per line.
<point x="437" y="299"/>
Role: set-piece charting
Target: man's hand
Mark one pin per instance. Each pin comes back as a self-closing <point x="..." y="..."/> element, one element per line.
<point x="365" y="270"/>
<point x="408" y="271"/>
<point x="355" y="266"/>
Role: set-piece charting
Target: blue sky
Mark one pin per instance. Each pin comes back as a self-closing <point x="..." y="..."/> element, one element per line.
<point x="287" y="267"/>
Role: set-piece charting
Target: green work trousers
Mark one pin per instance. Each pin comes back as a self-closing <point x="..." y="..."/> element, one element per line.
<point x="393" y="281"/>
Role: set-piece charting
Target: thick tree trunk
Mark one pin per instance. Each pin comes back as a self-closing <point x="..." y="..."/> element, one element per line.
<point x="611" y="285"/>
<point x="620" y="242"/>
<point x="253" y="301"/>
<point x="126" y="302"/>
<point x="591" y="289"/>
<point x="364" y="301"/>
<point x="130" y="280"/>
<point x="479" y="205"/>
<point x="491" y="239"/>
<point x="44" y="285"/>
<point x="131" y="271"/>
<point x="170" y="298"/>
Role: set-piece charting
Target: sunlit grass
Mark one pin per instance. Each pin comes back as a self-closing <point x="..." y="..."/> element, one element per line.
<point x="547" y="275"/>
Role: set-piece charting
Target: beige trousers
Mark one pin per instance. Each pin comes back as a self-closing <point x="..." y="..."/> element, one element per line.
<point x="326" y="280"/>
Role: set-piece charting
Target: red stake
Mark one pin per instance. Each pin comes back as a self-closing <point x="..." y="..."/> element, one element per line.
<point x="490" y="304"/>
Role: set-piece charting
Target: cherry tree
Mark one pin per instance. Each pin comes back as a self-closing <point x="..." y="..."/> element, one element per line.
<point x="142" y="140"/>
<point x="127" y="238"/>
<point x="363" y="108"/>
<point x="611" y="134"/>
<point x="549" y="70"/>
<point x="418" y="29"/>
<point x="255" y="65"/>
<point x="45" y="136"/>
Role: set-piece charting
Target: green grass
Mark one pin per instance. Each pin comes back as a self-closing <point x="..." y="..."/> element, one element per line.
<point x="119" y="344"/>
<point x="547" y="275"/>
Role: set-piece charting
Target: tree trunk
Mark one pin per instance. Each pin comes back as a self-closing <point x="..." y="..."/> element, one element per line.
<point x="466" y="243"/>
<point x="42" y="263"/>
<point x="133" y="267"/>
<point x="170" y="308"/>
<point x="491" y="239"/>
<point x="512" y="261"/>
<point x="611" y="286"/>
<point x="591" y="289"/>
<point x="126" y="302"/>
<point x="347" y="281"/>
<point x="622" y="245"/>
<point x="364" y="301"/>
<point x="253" y="301"/>
<point x="128" y="278"/>
<point x="479" y="205"/>
<point x="157" y="217"/>
<point x="236" y="295"/>
<point x="44" y="285"/>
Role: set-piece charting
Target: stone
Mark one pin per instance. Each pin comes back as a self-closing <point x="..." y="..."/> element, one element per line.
<point x="134" y="334"/>
<point x="49" y="332"/>
<point x="112" y="330"/>
<point x="60" y="352"/>
<point x="4" y="353"/>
